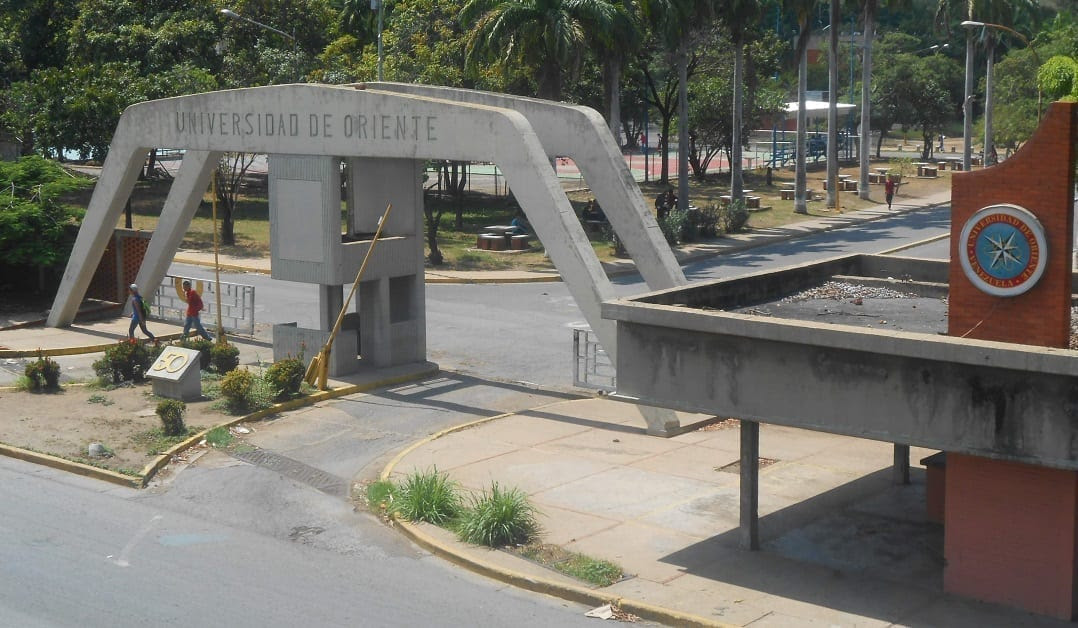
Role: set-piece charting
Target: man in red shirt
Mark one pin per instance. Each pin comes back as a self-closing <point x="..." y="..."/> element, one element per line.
<point x="194" y="308"/>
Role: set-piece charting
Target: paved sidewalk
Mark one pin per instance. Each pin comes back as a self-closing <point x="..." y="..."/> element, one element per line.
<point x="841" y="545"/>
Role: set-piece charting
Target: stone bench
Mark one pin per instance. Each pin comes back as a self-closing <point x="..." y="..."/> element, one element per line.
<point x="491" y="242"/>
<point x="520" y="242"/>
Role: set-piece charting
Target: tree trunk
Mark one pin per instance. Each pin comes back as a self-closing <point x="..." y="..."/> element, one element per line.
<point x="613" y="97"/>
<point x="737" y="186"/>
<point x="832" y="106"/>
<point x="800" y="187"/>
<point x="865" y="145"/>
<point x="683" y="126"/>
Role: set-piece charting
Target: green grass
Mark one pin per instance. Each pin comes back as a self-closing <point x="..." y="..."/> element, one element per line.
<point x="157" y="442"/>
<point x="380" y="496"/>
<point x="220" y="436"/>
<point x="101" y="399"/>
<point x="594" y="571"/>
<point x="498" y="518"/>
<point x="427" y="496"/>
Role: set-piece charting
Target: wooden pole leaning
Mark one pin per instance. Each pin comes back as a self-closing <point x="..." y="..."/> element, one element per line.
<point x="318" y="370"/>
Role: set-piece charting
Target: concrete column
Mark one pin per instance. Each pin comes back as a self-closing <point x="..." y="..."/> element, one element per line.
<point x="900" y="472"/>
<point x="374" y="325"/>
<point x="330" y="301"/>
<point x="750" y="485"/>
<point x="393" y="330"/>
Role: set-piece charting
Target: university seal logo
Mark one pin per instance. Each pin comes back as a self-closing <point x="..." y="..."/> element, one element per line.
<point x="1003" y="250"/>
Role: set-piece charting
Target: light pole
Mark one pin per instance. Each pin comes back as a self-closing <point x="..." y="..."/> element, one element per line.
<point x="936" y="48"/>
<point x="236" y="16"/>
<point x="379" y="5"/>
<point x="988" y="130"/>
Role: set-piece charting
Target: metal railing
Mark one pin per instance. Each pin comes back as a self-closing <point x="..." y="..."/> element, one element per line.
<point x="592" y="367"/>
<point x="237" y="303"/>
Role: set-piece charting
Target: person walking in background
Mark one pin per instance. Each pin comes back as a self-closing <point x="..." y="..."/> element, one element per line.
<point x="889" y="189"/>
<point x="194" y="310"/>
<point x="139" y="311"/>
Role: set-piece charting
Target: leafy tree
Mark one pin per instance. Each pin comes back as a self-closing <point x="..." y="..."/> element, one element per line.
<point x="547" y="37"/>
<point x="1059" y="77"/>
<point x="677" y="26"/>
<point x="37" y="230"/>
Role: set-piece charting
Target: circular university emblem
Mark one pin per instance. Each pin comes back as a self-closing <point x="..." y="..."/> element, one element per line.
<point x="1003" y="250"/>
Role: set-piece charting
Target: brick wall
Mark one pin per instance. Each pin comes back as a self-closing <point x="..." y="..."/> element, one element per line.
<point x="1040" y="178"/>
<point x="1010" y="529"/>
<point x="1009" y="533"/>
<point x="119" y="265"/>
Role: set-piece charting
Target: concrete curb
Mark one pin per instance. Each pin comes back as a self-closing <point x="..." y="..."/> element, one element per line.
<point x="158" y="463"/>
<point x="573" y="593"/>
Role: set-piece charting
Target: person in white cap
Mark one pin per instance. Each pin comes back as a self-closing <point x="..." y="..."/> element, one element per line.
<point x="138" y="314"/>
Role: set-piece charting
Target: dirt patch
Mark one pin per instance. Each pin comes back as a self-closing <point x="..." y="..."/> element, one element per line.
<point x="123" y="420"/>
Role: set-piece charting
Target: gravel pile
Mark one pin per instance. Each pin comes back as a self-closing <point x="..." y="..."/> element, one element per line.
<point x="841" y="290"/>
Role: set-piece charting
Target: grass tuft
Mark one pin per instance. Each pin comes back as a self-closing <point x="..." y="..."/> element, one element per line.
<point x="428" y="496"/>
<point x="498" y="518"/>
<point x="220" y="437"/>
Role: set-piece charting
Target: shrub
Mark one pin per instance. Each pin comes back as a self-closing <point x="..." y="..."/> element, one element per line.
<point x="734" y="216"/>
<point x="499" y="518"/>
<point x="285" y="377"/>
<point x="204" y="348"/>
<point x="225" y="357"/>
<point x="709" y="220"/>
<point x="674" y="226"/>
<point x="42" y="374"/>
<point x="236" y="388"/>
<point x="428" y="496"/>
<point x="171" y="412"/>
<point x="127" y="360"/>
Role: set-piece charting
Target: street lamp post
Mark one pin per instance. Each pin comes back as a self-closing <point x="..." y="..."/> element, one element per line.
<point x="236" y="16"/>
<point x="379" y="5"/>
<point x="1036" y="59"/>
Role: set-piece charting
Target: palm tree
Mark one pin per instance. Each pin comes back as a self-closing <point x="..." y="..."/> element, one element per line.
<point x="624" y="37"/>
<point x="803" y="10"/>
<point x="548" y="37"/>
<point x="739" y="15"/>
<point x="834" y="25"/>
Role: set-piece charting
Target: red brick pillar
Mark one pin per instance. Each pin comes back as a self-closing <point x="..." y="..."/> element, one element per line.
<point x="1010" y="528"/>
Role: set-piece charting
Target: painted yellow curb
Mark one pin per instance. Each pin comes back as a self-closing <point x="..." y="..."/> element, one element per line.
<point x="33" y="353"/>
<point x="71" y="466"/>
<point x="573" y="593"/>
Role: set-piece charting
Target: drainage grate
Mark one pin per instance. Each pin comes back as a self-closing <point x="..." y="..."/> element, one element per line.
<point x="295" y="470"/>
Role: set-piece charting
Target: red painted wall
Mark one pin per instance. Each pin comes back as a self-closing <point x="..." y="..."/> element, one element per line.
<point x="1009" y="534"/>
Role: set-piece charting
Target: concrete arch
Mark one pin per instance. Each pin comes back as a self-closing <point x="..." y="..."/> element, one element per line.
<point x="335" y="121"/>
<point x="582" y="134"/>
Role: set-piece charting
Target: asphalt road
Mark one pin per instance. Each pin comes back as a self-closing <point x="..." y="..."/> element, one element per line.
<point x="524" y="332"/>
<point x="230" y="543"/>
